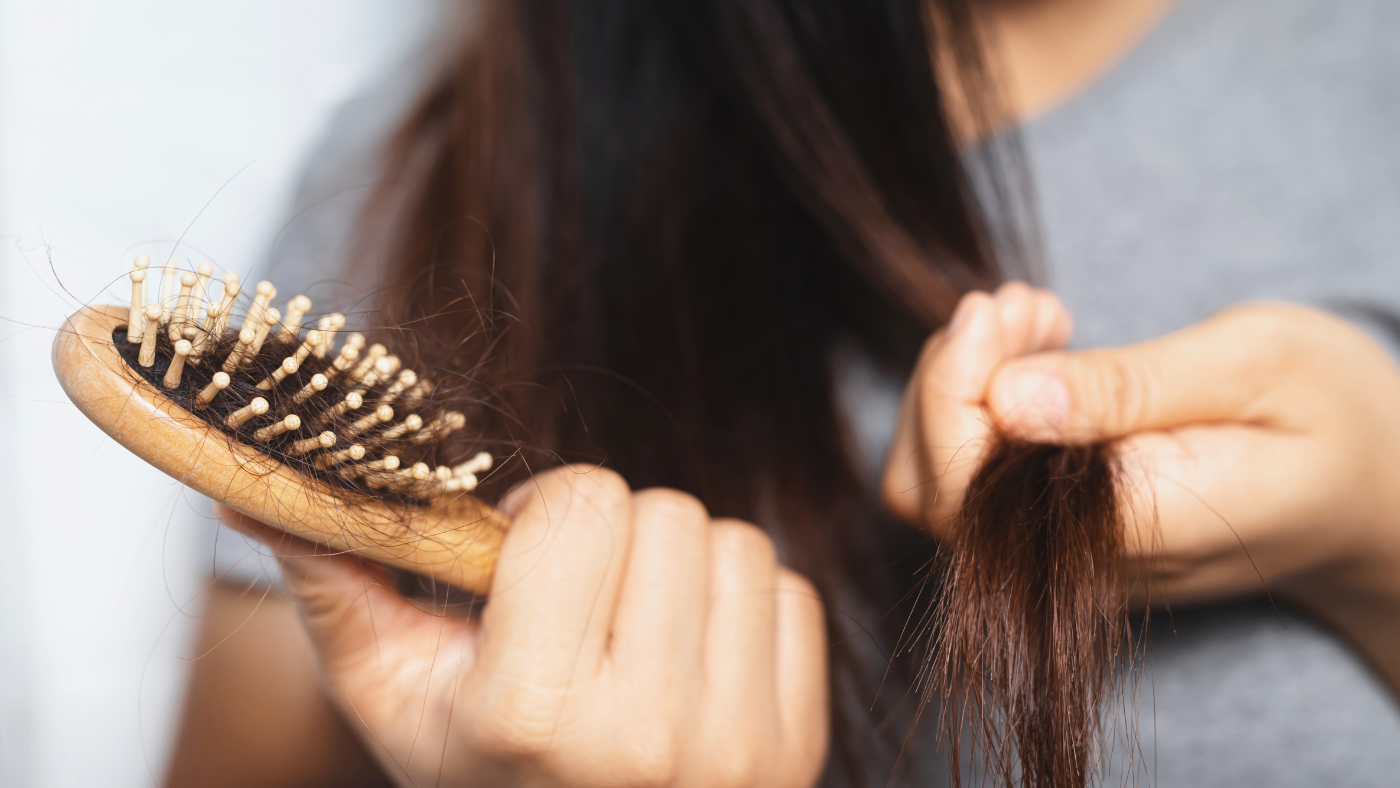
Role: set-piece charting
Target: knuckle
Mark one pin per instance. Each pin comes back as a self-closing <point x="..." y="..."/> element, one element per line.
<point x="735" y="539"/>
<point x="801" y="601"/>
<point x="1264" y="336"/>
<point x="1127" y="391"/>
<point x="1260" y="326"/>
<point x="662" y="505"/>
<point x="515" y="733"/>
<point x="598" y="485"/>
<point x="1260" y="318"/>
<point x="736" y="767"/>
<point x="652" y="757"/>
<point x="581" y="493"/>
<point x="1014" y="289"/>
<point x="790" y="582"/>
<point x="561" y="489"/>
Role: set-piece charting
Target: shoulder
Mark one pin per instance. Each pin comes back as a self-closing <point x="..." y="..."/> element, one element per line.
<point x="311" y="250"/>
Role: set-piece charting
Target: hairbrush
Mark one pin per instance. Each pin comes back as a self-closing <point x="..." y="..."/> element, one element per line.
<point x="314" y="432"/>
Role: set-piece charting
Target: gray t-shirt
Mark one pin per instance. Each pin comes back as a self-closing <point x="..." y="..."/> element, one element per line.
<point x="1245" y="149"/>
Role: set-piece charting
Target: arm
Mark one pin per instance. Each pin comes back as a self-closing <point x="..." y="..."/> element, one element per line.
<point x="256" y="714"/>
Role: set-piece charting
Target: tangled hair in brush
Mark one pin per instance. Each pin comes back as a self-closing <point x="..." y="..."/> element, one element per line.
<point x="1029" y="626"/>
<point x="394" y="412"/>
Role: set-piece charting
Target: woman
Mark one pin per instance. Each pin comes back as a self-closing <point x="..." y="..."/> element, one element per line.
<point x="705" y="235"/>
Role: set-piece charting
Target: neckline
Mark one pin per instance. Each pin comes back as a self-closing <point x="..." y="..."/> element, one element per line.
<point x="1120" y="73"/>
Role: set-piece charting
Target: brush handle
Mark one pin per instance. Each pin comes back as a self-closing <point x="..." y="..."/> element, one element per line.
<point x="455" y="540"/>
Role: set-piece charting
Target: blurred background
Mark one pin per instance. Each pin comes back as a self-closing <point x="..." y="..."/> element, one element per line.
<point x="125" y="127"/>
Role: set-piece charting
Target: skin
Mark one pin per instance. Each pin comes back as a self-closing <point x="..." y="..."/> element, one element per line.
<point x="1047" y="50"/>
<point x="255" y="716"/>
<point x="629" y="639"/>
<point x="1260" y="447"/>
<point x="1042" y="52"/>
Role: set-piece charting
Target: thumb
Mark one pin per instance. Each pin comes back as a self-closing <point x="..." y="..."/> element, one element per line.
<point x="1201" y="374"/>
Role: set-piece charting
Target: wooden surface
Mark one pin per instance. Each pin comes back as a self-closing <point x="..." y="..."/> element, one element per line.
<point x="455" y="541"/>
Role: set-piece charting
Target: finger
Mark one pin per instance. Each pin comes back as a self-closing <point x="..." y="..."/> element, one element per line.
<point x="802" y="681"/>
<point x="1017" y="305"/>
<point x="1032" y="319"/>
<point x="1201" y="530"/>
<point x="954" y="429"/>
<point x="1212" y="371"/>
<point x="243" y="524"/>
<point x="557" y="578"/>
<point x="659" y="629"/>
<point x="941" y="428"/>
<point x="907" y="475"/>
<point x="1053" y="324"/>
<point x="740" y="635"/>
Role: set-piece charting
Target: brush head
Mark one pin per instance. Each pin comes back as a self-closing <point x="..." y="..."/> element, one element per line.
<point x="340" y="445"/>
<point x="385" y="410"/>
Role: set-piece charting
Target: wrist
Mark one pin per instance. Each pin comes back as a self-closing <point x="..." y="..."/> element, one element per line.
<point x="1360" y="599"/>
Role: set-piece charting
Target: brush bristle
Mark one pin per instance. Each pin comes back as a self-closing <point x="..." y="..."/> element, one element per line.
<point x="345" y="416"/>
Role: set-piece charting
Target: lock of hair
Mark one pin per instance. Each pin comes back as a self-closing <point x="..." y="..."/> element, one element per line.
<point x="319" y="433"/>
<point x="1030" y="635"/>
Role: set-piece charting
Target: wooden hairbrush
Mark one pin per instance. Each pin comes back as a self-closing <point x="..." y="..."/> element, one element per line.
<point x="344" y="447"/>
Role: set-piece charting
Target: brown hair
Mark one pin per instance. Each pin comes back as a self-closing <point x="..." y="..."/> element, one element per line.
<point x="639" y="229"/>
<point x="1030" y="621"/>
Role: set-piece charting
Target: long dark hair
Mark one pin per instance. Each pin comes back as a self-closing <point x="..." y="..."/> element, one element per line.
<point x="641" y="228"/>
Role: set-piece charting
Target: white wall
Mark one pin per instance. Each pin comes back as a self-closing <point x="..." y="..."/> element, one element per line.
<point x="119" y="121"/>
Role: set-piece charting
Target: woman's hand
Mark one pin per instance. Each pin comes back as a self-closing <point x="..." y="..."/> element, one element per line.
<point x="943" y="422"/>
<point x="628" y="640"/>
<point x="1260" y="448"/>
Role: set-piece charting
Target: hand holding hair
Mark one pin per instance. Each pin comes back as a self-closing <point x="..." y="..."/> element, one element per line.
<point x="1256" y="450"/>
<point x="629" y="639"/>
<point x="1026" y="619"/>
<point x="943" y="430"/>
<point x="1259" y="449"/>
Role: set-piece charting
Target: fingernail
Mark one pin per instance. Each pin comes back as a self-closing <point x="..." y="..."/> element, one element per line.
<point x="1034" y="404"/>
